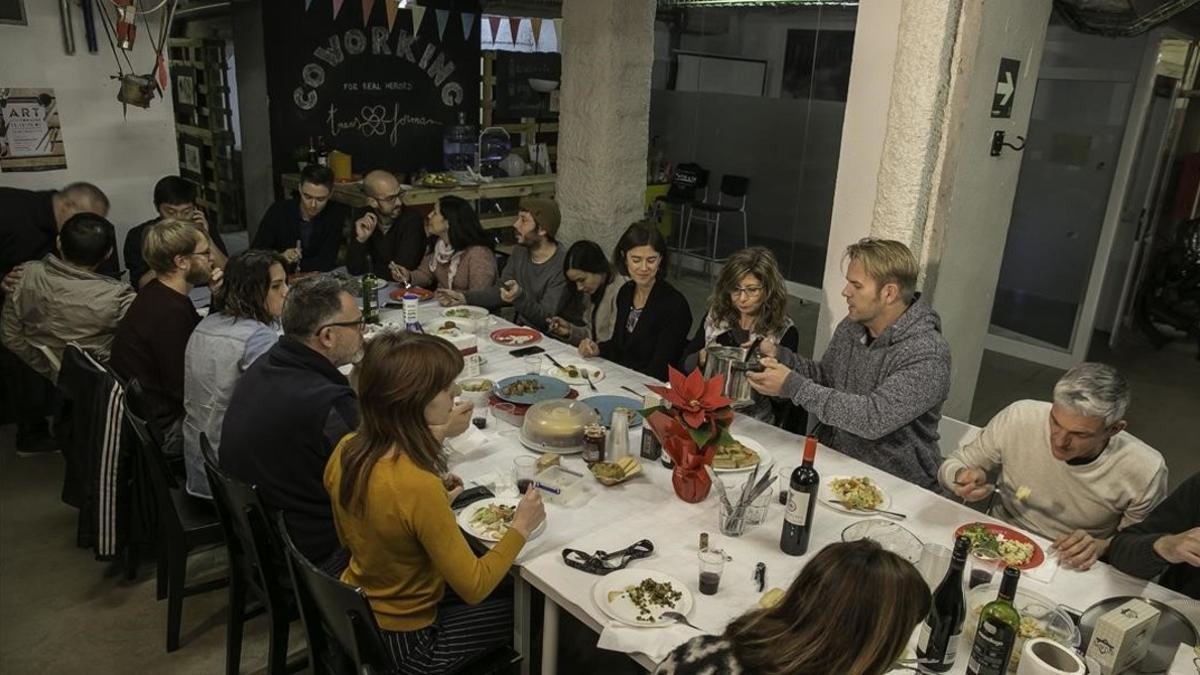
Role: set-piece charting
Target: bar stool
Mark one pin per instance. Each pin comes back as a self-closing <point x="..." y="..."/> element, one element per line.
<point x="686" y="181"/>
<point x="731" y="199"/>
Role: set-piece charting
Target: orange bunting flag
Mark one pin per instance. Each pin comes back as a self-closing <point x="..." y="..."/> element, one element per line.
<point x="390" y="6"/>
<point x="337" y="7"/>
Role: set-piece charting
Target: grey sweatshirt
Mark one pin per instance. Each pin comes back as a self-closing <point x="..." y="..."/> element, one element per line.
<point x="542" y="286"/>
<point x="880" y="402"/>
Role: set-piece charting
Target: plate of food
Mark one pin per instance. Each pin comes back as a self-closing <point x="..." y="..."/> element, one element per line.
<point x="614" y="473"/>
<point x="573" y="373"/>
<point x="421" y="293"/>
<point x="450" y="327"/>
<point x="605" y="406"/>
<point x="439" y="179"/>
<point x="377" y="283"/>
<point x="529" y="389"/>
<point x="490" y="519"/>
<point x="638" y="597"/>
<point x="1005" y="545"/>
<point x="465" y="312"/>
<point x="856" y="495"/>
<point x="515" y="337"/>
<point x="742" y="455"/>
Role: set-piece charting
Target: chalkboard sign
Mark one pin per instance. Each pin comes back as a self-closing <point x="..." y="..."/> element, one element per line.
<point x="514" y="98"/>
<point x="383" y="96"/>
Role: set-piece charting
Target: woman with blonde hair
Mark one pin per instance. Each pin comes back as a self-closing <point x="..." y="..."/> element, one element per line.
<point x="850" y="611"/>
<point x="749" y="302"/>
<point x="390" y="489"/>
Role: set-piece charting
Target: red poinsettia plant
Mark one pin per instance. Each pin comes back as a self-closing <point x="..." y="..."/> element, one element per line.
<point x="697" y="420"/>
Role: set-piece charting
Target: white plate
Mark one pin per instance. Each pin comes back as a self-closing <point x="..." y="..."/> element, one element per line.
<point x="476" y="312"/>
<point x="826" y="497"/>
<point x="764" y="457"/>
<point x="461" y="326"/>
<point x="464" y="518"/>
<point x="593" y="372"/>
<point x="537" y="447"/>
<point x="622" y="608"/>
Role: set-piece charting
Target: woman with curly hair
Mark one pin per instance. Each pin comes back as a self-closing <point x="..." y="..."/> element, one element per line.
<point x="749" y="302"/>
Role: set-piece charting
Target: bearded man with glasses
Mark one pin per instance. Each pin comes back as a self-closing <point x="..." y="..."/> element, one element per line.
<point x="387" y="232"/>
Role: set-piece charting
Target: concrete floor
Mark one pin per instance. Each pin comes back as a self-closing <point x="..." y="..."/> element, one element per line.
<point x="61" y="611"/>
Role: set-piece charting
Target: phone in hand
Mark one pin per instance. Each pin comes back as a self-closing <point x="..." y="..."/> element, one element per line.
<point x="527" y="351"/>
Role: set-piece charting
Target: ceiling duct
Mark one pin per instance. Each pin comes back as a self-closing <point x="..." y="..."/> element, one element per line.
<point x="1126" y="18"/>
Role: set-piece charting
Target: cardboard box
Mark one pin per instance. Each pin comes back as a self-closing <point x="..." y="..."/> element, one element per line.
<point x="1122" y="636"/>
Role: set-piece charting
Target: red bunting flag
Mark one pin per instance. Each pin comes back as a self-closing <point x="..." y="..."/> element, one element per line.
<point x="514" y="25"/>
<point x="337" y="7"/>
<point x="494" y="23"/>
<point x="368" y="5"/>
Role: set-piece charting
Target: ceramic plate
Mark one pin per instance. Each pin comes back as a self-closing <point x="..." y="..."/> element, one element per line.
<point x="604" y="405"/>
<point x="464" y="518"/>
<point x="516" y="337"/>
<point x="622" y="609"/>
<point x="764" y="457"/>
<point x="465" y="312"/>
<point x="827" y="497"/>
<point x="551" y="388"/>
<point x="421" y="293"/>
<point x="1003" y="534"/>
<point x="548" y="449"/>
<point x="564" y="374"/>
<point x="887" y="534"/>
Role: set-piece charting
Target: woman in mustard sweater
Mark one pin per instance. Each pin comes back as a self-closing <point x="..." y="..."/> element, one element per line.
<point x="391" y="492"/>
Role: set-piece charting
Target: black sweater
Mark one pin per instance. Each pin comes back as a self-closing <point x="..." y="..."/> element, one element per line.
<point x="403" y="244"/>
<point x="660" y="335"/>
<point x="287" y="413"/>
<point x="29" y="230"/>
<point x="1132" y="549"/>
<point x="280" y="229"/>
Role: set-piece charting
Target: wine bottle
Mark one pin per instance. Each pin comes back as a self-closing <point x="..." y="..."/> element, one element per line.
<point x="313" y="157"/>
<point x="997" y="632"/>
<point x="370" y="301"/>
<point x="797" y="520"/>
<point x="938" y="644"/>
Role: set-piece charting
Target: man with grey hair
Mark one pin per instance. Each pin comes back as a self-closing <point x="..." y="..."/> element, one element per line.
<point x="290" y="409"/>
<point x="1066" y="470"/>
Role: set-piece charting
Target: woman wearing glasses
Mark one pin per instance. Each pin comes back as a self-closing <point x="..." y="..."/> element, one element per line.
<point x="653" y="318"/>
<point x="390" y="490"/>
<point x="463" y="257"/>
<point x="749" y="303"/>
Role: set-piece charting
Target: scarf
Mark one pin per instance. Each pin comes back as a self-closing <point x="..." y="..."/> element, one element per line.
<point x="444" y="254"/>
<point x="714" y="329"/>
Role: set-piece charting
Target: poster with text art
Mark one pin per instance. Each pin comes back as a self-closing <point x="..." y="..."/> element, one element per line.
<point x="30" y="133"/>
<point x="385" y="97"/>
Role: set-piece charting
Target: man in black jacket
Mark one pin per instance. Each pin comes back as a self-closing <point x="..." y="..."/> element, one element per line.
<point x="291" y="408"/>
<point x="307" y="230"/>
<point x="174" y="199"/>
<point x="29" y="224"/>
<point x="1167" y="542"/>
<point x="387" y="233"/>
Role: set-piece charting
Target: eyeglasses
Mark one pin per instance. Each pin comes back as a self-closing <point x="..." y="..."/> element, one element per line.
<point x="358" y="323"/>
<point x="207" y="253"/>
<point x="602" y="562"/>
<point x="749" y="291"/>
<point x="390" y="198"/>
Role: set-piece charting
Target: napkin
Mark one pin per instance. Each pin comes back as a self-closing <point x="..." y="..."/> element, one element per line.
<point x="1044" y="572"/>
<point x="653" y="642"/>
<point x="468" y="441"/>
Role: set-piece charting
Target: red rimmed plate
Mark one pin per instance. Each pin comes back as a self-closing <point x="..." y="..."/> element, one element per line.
<point x="516" y="337"/>
<point x="1004" y="533"/>
<point x="421" y="293"/>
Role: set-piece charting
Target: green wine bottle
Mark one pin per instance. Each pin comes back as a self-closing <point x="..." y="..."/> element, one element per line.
<point x="997" y="632"/>
<point x="370" y="299"/>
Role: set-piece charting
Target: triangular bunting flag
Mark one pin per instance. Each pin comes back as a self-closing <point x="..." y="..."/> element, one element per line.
<point x="391" y="7"/>
<point x="337" y="7"/>
<point x="468" y="22"/>
<point x="494" y="24"/>
<point x="558" y="36"/>
<point x="307" y="4"/>
<point x="514" y="25"/>
<point x="368" y="5"/>
<point x="160" y="71"/>
<point x="443" y="16"/>
<point x="418" y="14"/>
<point x="537" y="29"/>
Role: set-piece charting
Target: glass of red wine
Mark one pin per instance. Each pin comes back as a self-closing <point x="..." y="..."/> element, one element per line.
<point x="524" y="471"/>
<point x="712" y="564"/>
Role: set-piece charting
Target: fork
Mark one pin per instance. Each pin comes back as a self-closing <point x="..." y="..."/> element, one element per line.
<point x="894" y="514"/>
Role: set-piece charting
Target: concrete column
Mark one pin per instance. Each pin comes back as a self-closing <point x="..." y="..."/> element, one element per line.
<point x="607" y="56"/>
<point x="936" y="187"/>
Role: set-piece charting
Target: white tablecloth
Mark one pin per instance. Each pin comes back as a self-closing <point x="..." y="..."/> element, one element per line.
<point x="647" y="508"/>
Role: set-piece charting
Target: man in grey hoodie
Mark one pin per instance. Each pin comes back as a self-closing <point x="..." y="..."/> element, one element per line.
<point x="878" y="389"/>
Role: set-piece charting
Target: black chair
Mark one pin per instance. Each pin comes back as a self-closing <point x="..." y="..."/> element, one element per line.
<point x="687" y="181"/>
<point x="185" y="523"/>
<point x="731" y="199"/>
<point x="343" y="637"/>
<point x="256" y="562"/>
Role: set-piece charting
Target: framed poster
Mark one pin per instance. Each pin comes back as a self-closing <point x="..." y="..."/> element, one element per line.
<point x="13" y="12"/>
<point x="191" y="159"/>
<point x="30" y="133"/>
<point x="184" y="81"/>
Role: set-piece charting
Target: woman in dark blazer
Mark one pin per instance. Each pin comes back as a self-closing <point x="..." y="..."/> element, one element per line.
<point x="653" y="318"/>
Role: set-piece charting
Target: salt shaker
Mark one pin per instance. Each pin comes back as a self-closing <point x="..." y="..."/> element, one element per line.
<point x="618" y="435"/>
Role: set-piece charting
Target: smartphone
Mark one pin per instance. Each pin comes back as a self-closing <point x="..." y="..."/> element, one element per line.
<point x="392" y="304"/>
<point x="527" y="351"/>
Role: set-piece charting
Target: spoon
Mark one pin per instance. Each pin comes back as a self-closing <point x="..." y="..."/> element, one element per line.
<point x="679" y="618"/>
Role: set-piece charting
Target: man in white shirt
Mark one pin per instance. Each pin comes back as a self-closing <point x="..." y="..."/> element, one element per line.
<point x="1068" y="470"/>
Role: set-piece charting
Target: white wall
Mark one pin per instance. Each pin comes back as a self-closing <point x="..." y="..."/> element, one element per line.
<point x="123" y="156"/>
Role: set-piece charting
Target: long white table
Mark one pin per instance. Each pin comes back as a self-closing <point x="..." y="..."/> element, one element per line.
<point x="647" y="508"/>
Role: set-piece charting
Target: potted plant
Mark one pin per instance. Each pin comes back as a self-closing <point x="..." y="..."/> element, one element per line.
<point x="691" y="428"/>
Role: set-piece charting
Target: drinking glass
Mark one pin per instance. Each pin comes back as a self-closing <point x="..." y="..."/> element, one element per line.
<point x="533" y="364"/>
<point x="524" y="471"/>
<point x="732" y="523"/>
<point x="935" y="560"/>
<point x="712" y="564"/>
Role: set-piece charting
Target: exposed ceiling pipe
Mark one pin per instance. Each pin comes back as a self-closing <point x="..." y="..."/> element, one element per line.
<point x="1119" y="24"/>
<point x="196" y="11"/>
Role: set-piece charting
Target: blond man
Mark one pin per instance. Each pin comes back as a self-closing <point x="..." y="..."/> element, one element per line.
<point x="879" y="387"/>
<point x="152" y="337"/>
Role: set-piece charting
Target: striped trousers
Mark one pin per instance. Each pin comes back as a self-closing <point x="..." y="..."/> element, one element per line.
<point x="460" y="633"/>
